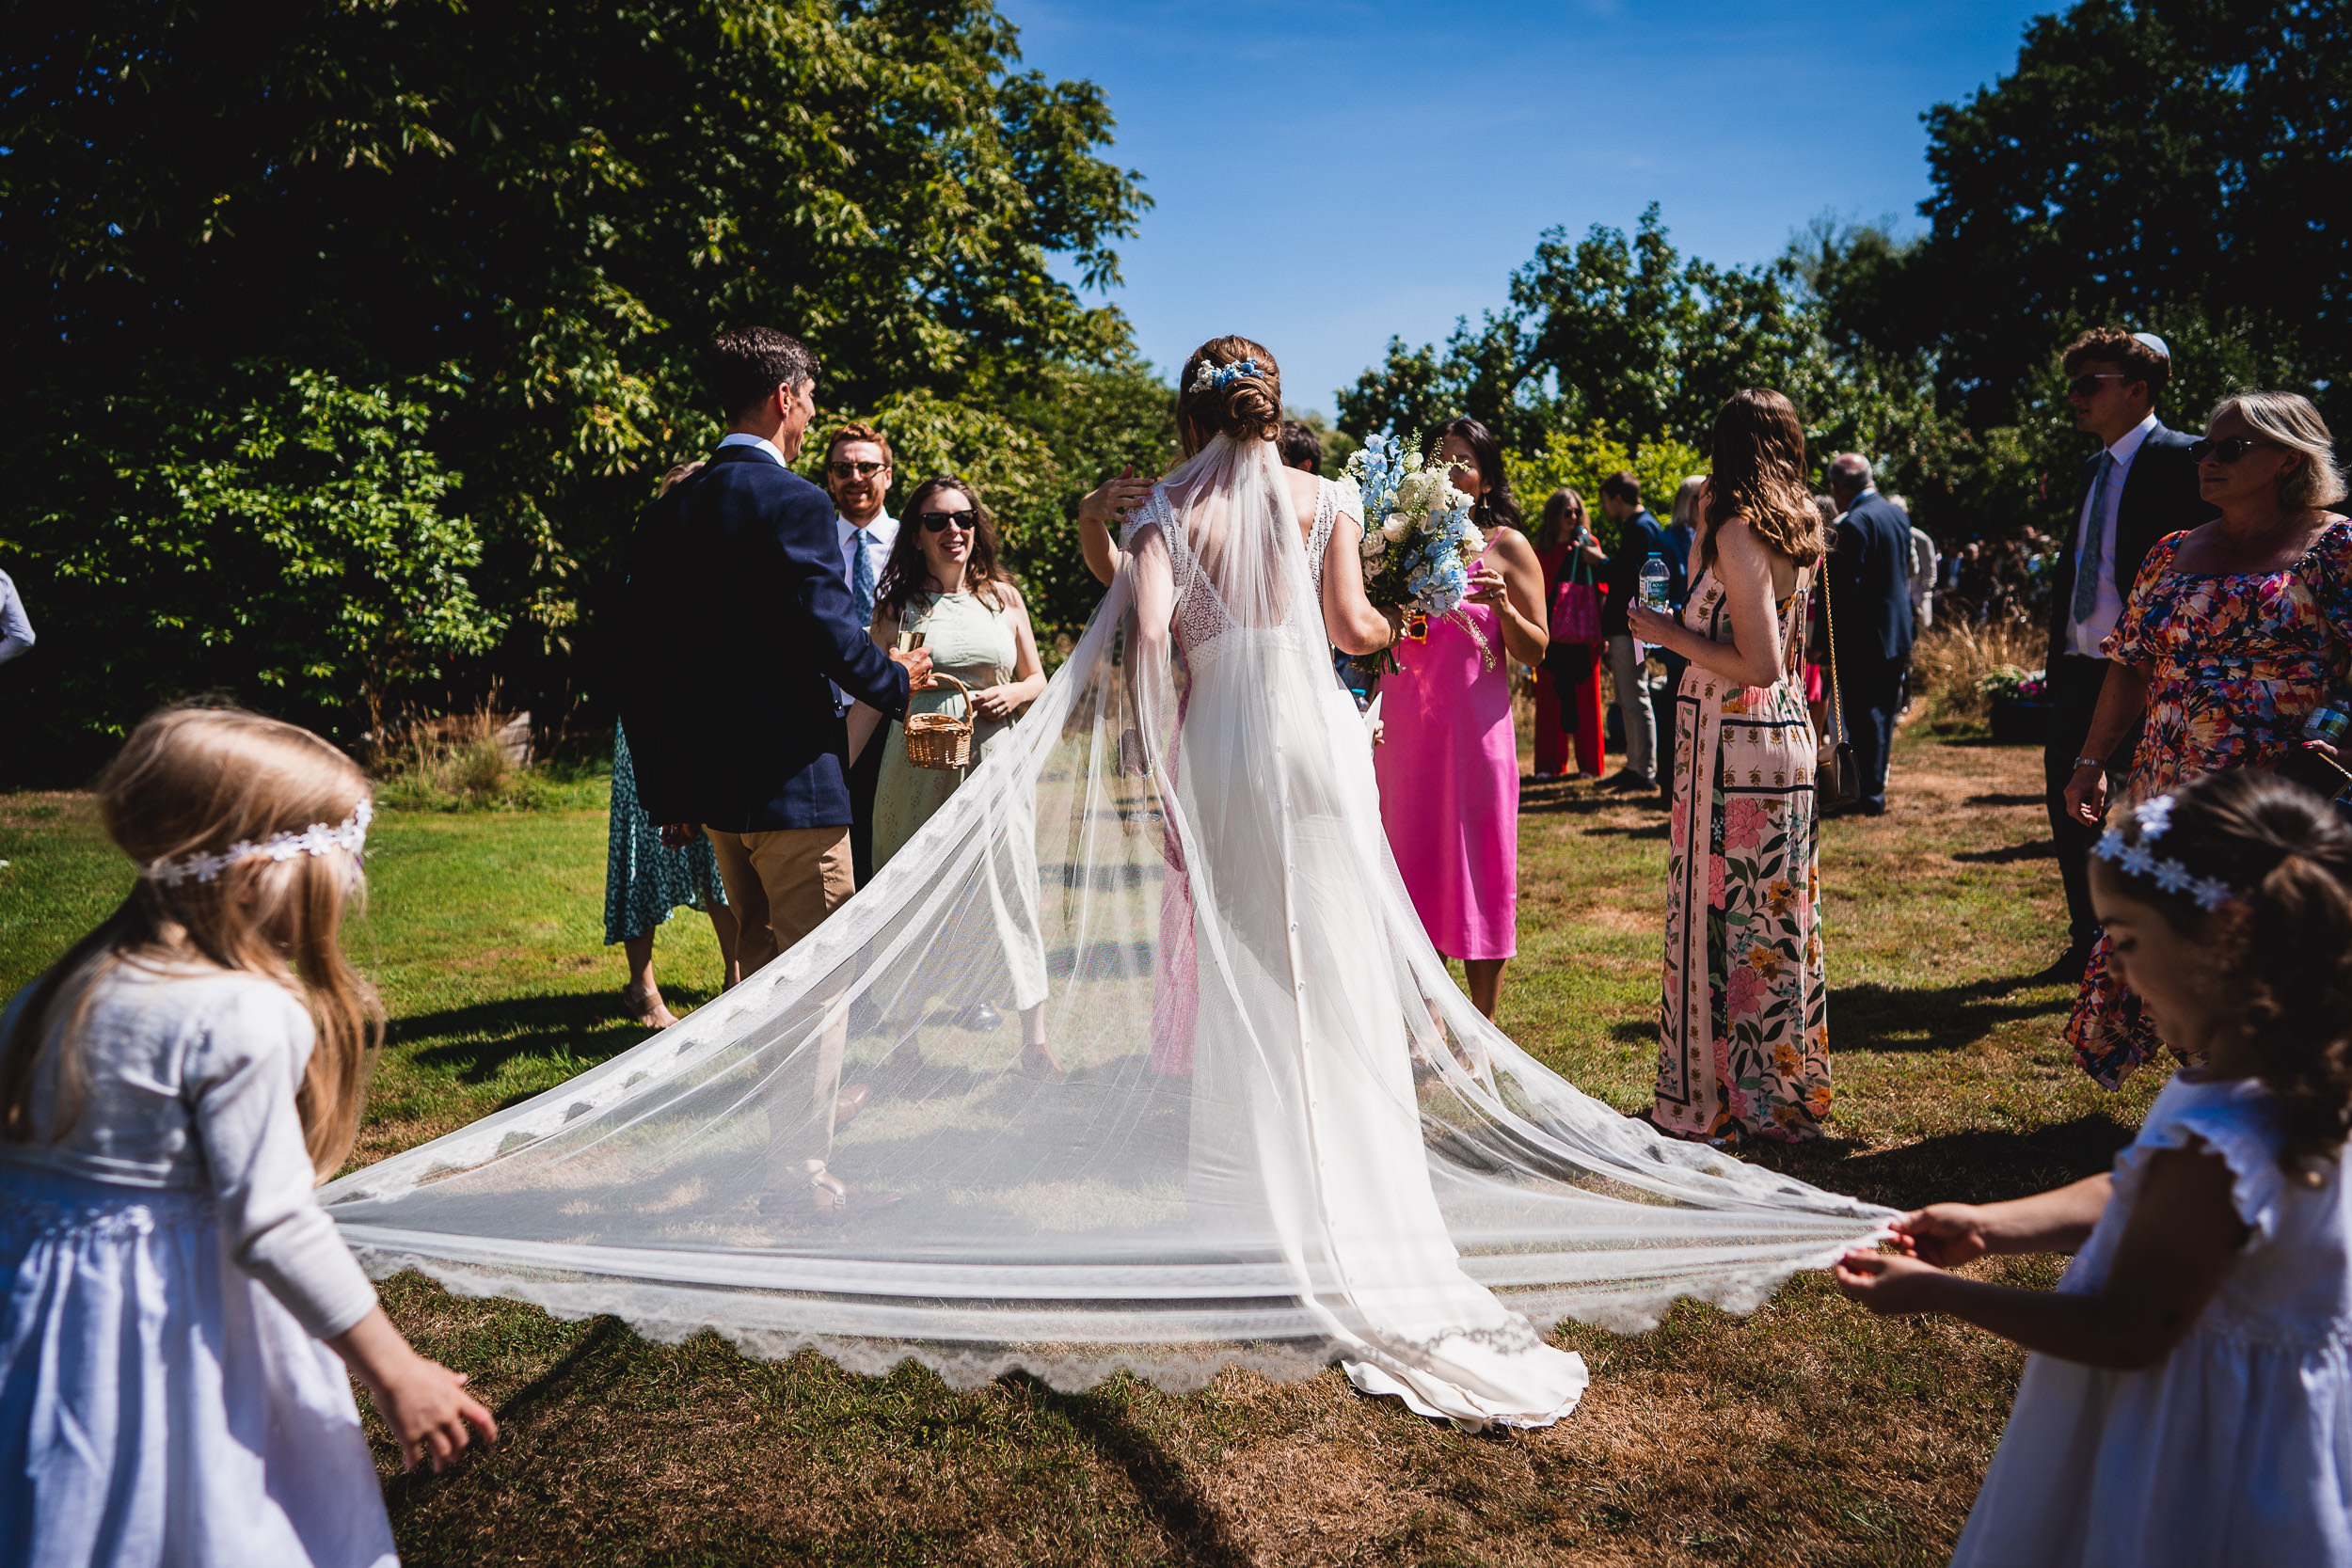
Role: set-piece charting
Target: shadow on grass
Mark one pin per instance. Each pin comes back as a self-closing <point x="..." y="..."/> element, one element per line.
<point x="2032" y="849"/>
<point x="1865" y="1016"/>
<point x="484" y="1036"/>
<point x="2004" y="801"/>
<point x="1958" y="1167"/>
<point x="586" y="1373"/>
<point x="1161" y="1485"/>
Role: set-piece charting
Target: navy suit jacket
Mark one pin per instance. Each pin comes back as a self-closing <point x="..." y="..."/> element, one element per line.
<point x="737" y="619"/>
<point x="1869" y="580"/>
<point x="1639" y="537"/>
<point x="2161" y="497"/>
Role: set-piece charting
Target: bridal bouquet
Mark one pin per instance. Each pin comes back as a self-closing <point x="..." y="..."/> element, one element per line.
<point x="1418" y="541"/>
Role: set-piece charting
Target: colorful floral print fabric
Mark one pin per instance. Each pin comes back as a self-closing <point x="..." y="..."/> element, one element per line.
<point x="2235" y="663"/>
<point x="1743" y="1023"/>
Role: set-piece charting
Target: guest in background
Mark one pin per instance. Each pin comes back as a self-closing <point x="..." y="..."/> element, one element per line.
<point x="1923" y="562"/>
<point x="1302" y="448"/>
<point x="857" y="475"/>
<point x="1682" y="532"/>
<point x="944" y="581"/>
<point x="1568" y="682"/>
<point x="1817" y="633"/>
<point x="2232" y="633"/>
<point x="1681" y="538"/>
<point x="16" y="628"/>
<point x="1639" y="537"/>
<point x="1449" y="769"/>
<point x="2139" y="487"/>
<point x="1869" y="612"/>
<point x="1743" y="1018"/>
<point x="645" y="880"/>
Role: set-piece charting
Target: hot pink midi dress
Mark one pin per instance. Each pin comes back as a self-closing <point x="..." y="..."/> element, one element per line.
<point x="1449" y="771"/>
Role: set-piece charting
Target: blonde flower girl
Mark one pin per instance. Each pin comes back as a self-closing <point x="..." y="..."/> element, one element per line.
<point x="2189" y="1398"/>
<point x="170" y="1092"/>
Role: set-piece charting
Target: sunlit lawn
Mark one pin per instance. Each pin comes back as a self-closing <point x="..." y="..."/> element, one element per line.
<point x="1805" y="1432"/>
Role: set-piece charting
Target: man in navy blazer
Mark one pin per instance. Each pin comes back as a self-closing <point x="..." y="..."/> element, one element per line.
<point x="2138" y="488"/>
<point x="1870" y="606"/>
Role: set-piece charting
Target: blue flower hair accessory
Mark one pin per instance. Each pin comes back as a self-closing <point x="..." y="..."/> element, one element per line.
<point x="2153" y="817"/>
<point x="1213" y="378"/>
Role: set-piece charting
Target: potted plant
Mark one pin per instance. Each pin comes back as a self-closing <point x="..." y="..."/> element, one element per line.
<point x="2021" y="704"/>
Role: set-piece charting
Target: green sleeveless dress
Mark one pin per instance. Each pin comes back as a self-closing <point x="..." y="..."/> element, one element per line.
<point x="974" y="643"/>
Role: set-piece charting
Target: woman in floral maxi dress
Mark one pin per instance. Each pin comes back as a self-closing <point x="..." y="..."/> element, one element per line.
<point x="1743" y="1029"/>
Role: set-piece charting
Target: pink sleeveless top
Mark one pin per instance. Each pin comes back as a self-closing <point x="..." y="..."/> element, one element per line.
<point x="1448" y="773"/>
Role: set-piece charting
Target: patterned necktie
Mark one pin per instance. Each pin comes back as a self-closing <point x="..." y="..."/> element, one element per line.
<point x="861" y="577"/>
<point x="2087" y="558"/>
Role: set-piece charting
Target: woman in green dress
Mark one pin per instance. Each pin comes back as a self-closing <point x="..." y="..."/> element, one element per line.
<point x="942" y="588"/>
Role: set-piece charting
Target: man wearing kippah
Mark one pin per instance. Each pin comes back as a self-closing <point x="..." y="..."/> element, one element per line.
<point x="2137" y="489"/>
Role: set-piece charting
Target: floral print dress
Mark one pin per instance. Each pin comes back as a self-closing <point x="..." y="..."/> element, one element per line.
<point x="1743" y="1023"/>
<point x="2236" y="664"/>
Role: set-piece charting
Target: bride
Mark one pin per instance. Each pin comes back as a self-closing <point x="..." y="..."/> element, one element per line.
<point x="1284" y="1137"/>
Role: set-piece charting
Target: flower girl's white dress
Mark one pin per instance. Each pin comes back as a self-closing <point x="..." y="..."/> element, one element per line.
<point x="2238" y="1446"/>
<point x="164" y="1398"/>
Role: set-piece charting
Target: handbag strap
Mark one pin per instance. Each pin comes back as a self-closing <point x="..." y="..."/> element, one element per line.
<point x="1836" y="698"/>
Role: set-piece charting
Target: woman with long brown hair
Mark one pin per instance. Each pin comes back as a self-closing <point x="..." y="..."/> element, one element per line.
<point x="1743" y="1026"/>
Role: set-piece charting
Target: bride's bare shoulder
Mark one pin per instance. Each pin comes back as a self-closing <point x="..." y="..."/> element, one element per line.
<point x="1305" y="487"/>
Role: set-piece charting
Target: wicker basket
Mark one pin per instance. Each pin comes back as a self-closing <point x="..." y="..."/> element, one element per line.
<point x="940" y="739"/>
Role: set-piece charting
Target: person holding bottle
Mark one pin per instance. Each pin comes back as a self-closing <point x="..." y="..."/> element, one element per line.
<point x="1639" y="539"/>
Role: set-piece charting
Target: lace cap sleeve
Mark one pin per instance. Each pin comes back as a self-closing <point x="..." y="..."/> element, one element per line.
<point x="1152" y="514"/>
<point x="1347" y="497"/>
<point x="2234" y="1119"/>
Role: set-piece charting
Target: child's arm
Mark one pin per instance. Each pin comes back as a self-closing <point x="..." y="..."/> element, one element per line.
<point x="1951" y="1234"/>
<point x="424" y="1403"/>
<point x="2183" y="1234"/>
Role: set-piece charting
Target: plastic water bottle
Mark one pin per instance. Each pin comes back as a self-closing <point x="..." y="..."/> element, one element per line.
<point x="2331" y="722"/>
<point x="1655" y="576"/>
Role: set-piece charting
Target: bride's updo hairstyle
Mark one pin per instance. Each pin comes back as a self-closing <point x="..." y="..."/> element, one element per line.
<point x="1230" y="387"/>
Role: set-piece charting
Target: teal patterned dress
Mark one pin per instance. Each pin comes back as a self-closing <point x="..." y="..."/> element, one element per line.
<point x="644" y="882"/>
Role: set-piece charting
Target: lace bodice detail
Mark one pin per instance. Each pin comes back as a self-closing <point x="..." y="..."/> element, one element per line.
<point x="1319" y="539"/>
<point x="1200" y="615"/>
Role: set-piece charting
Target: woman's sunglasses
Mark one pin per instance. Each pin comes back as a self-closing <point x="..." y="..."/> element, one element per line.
<point x="940" y="522"/>
<point x="2227" y="450"/>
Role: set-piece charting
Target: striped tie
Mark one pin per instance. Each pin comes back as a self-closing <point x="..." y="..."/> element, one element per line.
<point x="861" y="577"/>
<point x="2087" y="558"/>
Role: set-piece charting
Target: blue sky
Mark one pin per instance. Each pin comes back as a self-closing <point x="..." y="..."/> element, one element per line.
<point x="1328" y="174"/>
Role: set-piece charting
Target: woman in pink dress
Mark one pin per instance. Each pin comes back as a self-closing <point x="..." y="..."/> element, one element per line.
<point x="1448" y="764"/>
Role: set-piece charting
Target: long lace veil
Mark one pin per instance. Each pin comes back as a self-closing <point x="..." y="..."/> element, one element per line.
<point x="1281" y="1135"/>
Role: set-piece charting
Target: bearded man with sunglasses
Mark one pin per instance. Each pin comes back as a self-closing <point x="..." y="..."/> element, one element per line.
<point x="857" y="475"/>
<point x="2139" y="489"/>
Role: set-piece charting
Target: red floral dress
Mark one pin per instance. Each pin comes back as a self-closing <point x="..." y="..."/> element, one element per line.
<point x="1743" y="1020"/>
<point x="2235" y="662"/>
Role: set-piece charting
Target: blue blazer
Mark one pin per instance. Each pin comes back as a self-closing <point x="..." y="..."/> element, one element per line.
<point x="737" y="620"/>
<point x="1869" y="580"/>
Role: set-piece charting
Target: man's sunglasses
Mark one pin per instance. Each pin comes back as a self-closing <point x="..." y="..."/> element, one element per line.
<point x="940" y="522"/>
<point x="2087" y="386"/>
<point x="2227" y="450"/>
<point x="856" y="470"/>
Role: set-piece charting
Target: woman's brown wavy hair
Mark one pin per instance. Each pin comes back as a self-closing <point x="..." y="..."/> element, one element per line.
<point x="200" y="780"/>
<point x="1759" y="474"/>
<point x="907" y="577"/>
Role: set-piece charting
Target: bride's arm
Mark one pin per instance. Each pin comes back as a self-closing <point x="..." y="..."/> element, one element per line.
<point x="1349" y="619"/>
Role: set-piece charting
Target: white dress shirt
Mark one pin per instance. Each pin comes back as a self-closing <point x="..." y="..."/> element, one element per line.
<point x="736" y="439"/>
<point x="16" y="631"/>
<point x="2084" y="636"/>
<point x="875" y="539"/>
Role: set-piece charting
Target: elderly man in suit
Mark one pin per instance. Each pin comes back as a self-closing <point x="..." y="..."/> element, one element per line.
<point x="1869" y="608"/>
<point x="755" y="747"/>
<point x="2138" y="488"/>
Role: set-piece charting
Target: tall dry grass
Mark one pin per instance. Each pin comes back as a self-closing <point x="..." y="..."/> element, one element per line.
<point x="459" y="762"/>
<point x="1949" y="663"/>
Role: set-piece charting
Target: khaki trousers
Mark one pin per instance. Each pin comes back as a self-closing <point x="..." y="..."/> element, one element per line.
<point x="782" y="885"/>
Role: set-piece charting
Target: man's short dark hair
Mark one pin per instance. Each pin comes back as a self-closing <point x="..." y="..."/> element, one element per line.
<point x="2116" y="347"/>
<point x="748" y="363"/>
<point x="1301" y="444"/>
<point x="1625" y="486"/>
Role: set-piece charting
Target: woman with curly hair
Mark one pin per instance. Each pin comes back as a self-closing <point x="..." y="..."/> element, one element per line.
<point x="1743" y="1027"/>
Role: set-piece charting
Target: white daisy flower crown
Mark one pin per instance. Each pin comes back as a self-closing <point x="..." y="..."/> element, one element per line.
<point x="1213" y="378"/>
<point x="2153" y="817"/>
<point x="351" y="833"/>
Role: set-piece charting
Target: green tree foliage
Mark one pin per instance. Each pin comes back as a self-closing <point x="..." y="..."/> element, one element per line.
<point x="1581" y="460"/>
<point x="291" y="541"/>
<point x="550" y="209"/>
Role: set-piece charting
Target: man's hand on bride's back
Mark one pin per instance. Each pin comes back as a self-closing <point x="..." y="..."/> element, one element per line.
<point x="918" y="663"/>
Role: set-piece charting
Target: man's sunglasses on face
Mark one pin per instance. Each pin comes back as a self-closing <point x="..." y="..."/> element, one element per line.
<point x="856" y="470"/>
<point x="2087" y="386"/>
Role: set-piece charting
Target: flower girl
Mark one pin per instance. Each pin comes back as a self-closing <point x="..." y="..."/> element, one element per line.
<point x="2189" y="1400"/>
<point x="169" y="1094"/>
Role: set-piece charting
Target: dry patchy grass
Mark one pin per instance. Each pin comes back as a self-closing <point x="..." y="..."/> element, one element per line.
<point x="1806" y="1432"/>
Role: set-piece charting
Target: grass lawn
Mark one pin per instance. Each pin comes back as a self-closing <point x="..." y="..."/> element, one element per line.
<point x="1806" y="1433"/>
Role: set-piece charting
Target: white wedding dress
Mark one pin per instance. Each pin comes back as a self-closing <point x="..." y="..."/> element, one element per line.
<point x="1285" y="1141"/>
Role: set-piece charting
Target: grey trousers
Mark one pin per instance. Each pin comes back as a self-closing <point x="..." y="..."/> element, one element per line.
<point x="1641" y="727"/>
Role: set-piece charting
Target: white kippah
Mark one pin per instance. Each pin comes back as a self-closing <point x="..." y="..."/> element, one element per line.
<point x="2155" y="342"/>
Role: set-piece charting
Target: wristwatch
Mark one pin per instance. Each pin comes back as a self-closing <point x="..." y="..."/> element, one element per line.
<point x="2100" y="763"/>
